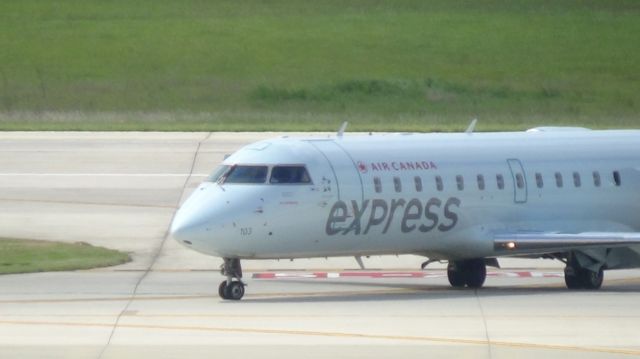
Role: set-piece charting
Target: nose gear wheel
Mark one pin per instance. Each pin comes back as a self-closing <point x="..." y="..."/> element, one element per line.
<point x="232" y="288"/>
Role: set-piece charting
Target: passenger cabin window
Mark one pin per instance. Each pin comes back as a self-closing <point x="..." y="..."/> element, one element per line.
<point x="616" y="178"/>
<point x="539" y="181"/>
<point x="480" y="182"/>
<point x="377" y="184"/>
<point x="558" y="179"/>
<point x="576" y="179"/>
<point x="397" y="184"/>
<point x="596" y="178"/>
<point x="519" y="180"/>
<point x="246" y="174"/>
<point x="460" y="182"/>
<point x="500" y="181"/>
<point x="418" y="182"/>
<point x="439" y="184"/>
<point x="289" y="175"/>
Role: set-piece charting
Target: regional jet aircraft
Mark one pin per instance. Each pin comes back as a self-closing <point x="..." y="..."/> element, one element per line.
<point x="569" y="194"/>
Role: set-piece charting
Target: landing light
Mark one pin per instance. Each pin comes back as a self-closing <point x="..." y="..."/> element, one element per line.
<point x="510" y="245"/>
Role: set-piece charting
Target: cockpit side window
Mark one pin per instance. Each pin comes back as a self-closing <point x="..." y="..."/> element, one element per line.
<point x="218" y="173"/>
<point x="289" y="175"/>
<point x="246" y="174"/>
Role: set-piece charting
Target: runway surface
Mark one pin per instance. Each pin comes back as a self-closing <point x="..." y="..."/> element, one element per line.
<point x="120" y="190"/>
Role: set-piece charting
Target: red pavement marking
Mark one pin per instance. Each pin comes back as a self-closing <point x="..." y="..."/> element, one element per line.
<point x="378" y="275"/>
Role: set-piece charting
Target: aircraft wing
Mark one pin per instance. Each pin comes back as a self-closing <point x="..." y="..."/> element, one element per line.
<point x="548" y="242"/>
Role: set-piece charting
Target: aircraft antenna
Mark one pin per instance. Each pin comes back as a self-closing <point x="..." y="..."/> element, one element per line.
<point x="342" y="128"/>
<point x="472" y="126"/>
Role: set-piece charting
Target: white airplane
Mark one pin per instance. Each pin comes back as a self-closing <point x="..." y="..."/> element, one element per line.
<point x="571" y="194"/>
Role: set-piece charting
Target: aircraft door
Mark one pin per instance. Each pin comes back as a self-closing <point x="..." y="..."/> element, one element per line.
<point x="519" y="180"/>
<point x="345" y="173"/>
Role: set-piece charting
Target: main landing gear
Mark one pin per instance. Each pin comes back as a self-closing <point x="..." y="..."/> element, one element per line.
<point x="469" y="272"/>
<point x="232" y="288"/>
<point x="578" y="277"/>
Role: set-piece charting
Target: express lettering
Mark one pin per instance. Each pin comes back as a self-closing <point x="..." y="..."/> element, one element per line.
<point x="415" y="215"/>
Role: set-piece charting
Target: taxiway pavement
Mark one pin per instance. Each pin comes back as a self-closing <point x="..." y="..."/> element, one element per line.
<point x="120" y="190"/>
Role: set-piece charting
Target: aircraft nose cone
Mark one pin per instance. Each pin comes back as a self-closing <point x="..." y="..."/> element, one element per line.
<point x="191" y="219"/>
<point x="183" y="229"/>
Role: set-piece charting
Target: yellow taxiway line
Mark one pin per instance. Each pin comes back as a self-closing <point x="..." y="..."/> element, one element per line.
<point x="424" y="339"/>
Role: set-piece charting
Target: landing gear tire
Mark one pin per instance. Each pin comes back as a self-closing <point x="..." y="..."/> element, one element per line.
<point x="572" y="279"/>
<point x="470" y="272"/>
<point x="592" y="280"/>
<point x="233" y="287"/>
<point x="234" y="291"/>
<point x="581" y="278"/>
<point x="456" y="277"/>
<point x="475" y="274"/>
<point x="222" y="288"/>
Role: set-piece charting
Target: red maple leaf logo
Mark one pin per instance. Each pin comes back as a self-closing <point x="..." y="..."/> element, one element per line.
<point x="362" y="167"/>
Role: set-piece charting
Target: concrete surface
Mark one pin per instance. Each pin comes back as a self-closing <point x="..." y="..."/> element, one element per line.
<point x="120" y="190"/>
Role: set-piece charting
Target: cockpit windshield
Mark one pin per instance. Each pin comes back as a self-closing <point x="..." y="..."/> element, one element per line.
<point x="217" y="174"/>
<point x="257" y="174"/>
<point x="290" y="175"/>
<point x="246" y="174"/>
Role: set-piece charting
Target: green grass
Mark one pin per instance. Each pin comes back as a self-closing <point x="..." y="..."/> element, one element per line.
<point x="27" y="256"/>
<point x="299" y="65"/>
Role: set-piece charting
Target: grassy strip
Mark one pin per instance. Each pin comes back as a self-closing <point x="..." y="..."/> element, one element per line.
<point x="272" y="121"/>
<point x="298" y="65"/>
<point x="27" y="256"/>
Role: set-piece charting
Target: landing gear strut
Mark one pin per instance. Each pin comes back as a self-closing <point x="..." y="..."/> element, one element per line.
<point x="578" y="277"/>
<point x="232" y="288"/>
<point x="470" y="273"/>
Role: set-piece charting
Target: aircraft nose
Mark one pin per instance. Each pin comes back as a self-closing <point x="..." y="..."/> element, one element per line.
<point x="183" y="228"/>
<point x="190" y="221"/>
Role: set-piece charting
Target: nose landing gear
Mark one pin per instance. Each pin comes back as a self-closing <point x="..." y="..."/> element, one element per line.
<point x="232" y="288"/>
